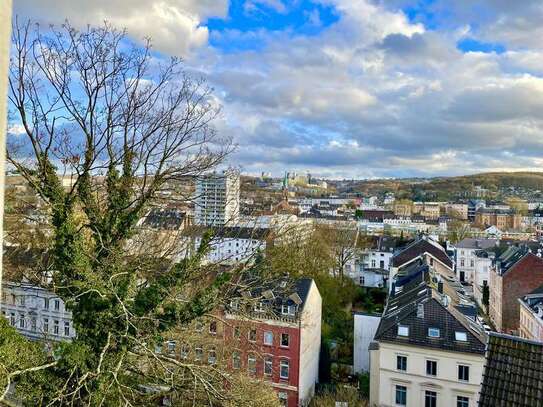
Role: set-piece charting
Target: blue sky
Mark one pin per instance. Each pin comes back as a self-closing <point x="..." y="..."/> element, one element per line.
<point x="353" y="88"/>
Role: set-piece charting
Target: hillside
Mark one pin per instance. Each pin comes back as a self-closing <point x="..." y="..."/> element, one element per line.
<point x="495" y="185"/>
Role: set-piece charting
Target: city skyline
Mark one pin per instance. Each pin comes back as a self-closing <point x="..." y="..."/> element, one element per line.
<point x="352" y="89"/>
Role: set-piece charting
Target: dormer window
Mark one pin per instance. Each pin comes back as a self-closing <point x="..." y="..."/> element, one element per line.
<point x="461" y="336"/>
<point x="433" y="332"/>
<point x="288" y="309"/>
<point x="234" y="305"/>
<point x="259" y="307"/>
<point x="403" y="330"/>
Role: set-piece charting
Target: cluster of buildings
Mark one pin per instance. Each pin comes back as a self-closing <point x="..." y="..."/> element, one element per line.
<point x="433" y="346"/>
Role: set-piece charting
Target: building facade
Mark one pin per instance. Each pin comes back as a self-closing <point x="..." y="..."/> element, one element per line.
<point x="516" y="273"/>
<point x="531" y="315"/>
<point x="425" y="352"/>
<point x="216" y="201"/>
<point x="466" y="257"/>
<point x="36" y="313"/>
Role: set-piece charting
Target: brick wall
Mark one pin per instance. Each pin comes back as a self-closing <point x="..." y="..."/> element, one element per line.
<point x="525" y="276"/>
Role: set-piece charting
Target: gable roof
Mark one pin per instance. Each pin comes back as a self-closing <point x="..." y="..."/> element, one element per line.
<point x="513" y="373"/>
<point x="419" y="248"/>
<point x="471" y="243"/>
<point x="415" y="303"/>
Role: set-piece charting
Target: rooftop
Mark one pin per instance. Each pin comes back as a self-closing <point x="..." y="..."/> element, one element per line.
<point x="513" y="374"/>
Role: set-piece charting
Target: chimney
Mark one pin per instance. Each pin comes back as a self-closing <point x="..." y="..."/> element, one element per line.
<point x="420" y="310"/>
<point x="440" y="287"/>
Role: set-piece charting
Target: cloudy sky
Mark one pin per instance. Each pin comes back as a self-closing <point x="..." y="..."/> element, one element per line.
<point x="353" y="88"/>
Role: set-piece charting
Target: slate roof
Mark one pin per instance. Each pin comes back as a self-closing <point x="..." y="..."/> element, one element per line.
<point x="418" y="248"/>
<point x="415" y="303"/>
<point x="273" y="294"/>
<point x="513" y="373"/>
<point x="170" y="219"/>
<point x="471" y="243"/>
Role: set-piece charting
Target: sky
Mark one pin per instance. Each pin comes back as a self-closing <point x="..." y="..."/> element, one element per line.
<point x="352" y="88"/>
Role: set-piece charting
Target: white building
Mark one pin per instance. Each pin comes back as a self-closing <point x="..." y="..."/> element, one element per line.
<point x="365" y="326"/>
<point x="425" y="352"/>
<point x="37" y="313"/>
<point x="466" y="257"/>
<point x="230" y="245"/>
<point x="216" y="199"/>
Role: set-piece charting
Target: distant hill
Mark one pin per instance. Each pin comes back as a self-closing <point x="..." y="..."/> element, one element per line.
<point x="496" y="184"/>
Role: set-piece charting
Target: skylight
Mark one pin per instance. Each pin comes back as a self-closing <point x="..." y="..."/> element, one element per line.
<point x="461" y="336"/>
<point x="433" y="332"/>
<point x="403" y="330"/>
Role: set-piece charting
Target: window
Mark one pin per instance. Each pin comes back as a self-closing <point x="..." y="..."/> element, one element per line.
<point x="212" y="357"/>
<point x="259" y="307"/>
<point x="237" y="332"/>
<point x="401" y="362"/>
<point x="285" y="339"/>
<point x="22" y="300"/>
<point x="12" y="318"/>
<point x="234" y="305"/>
<point x="283" y="369"/>
<point x="403" y="330"/>
<point x="288" y="309"/>
<point x="268" y="338"/>
<point x="463" y="373"/>
<point x="236" y="360"/>
<point x="46" y="325"/>
<point x="21" y="320"/>
<point x="401" y="395"/>
<point x="66" y="328"/>
<point x="55" y="327"/>
<point x="283" y="398"/>
<point x="462" y="401"/>
<point x="251" y="364"/>
<point x="198" y="353"/>
<point x="461" y="336"/>
<point x="171" y="347"/>
<point x="184" y="351"/>
<point x="431" y="367"/>
<point x="57" y="305"/>
<point x="433" y="332"/>
<point x="462" y="263"/>
<point x="430" y="399"/>
<point x="268" y="366"/>
<point x="33" y="323"/>
<point x="199" y="326"/>
<point x="213" y="327"/>
<point x="252" y="335"/>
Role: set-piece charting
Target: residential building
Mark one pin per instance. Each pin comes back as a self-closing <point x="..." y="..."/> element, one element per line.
<point x="277" y="337"/>
<point x="37" y="313"/>
<point x="230" y="245"/>
<point x="426" y="249"/>
<point x="473" y="206"/>
<point x="372" y="265"/>
<point x="466" y="257"/>
<point x="217" y="199"/>
<point x="457" y="210"/>
<point x="425" y="352"/>
<point x="531" y="315"/>
<point x="513" y="373"/>
<point x="516" y="273"/>
<point x="484" y="260"/>
<point x="501" y="218"/>
<point x="365" y="327"/>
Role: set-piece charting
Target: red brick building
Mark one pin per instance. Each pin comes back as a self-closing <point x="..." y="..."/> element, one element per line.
<point x="516" y="273"/>
<point x="277" y="338"/>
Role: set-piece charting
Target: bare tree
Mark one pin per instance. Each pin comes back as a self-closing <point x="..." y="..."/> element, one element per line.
<point x="108" y="126"/>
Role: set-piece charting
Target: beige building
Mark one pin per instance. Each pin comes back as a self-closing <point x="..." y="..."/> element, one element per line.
<point x="457" y="210"/>
<point x="531" y="315"/>
<point x="425" y="352"/>
<point x="5" y="31"/>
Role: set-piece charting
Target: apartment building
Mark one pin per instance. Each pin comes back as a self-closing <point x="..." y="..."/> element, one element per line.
<point x="466" y="257"/>
<point x="36" y="313"/>
<point x="501" y="218"/>
<point x="457" y="210"/>
<point x="216" y="201"/>
<point x="516" y="273"/>
<point x="531" y="315"/>
<point x="424" y="249"/>
<point x="230" y="245"/>
<point x="425" y="352"/>
<point x="372" y="263"/>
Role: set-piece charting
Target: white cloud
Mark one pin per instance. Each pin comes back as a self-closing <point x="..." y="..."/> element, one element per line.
<point x="175" y="26"/>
